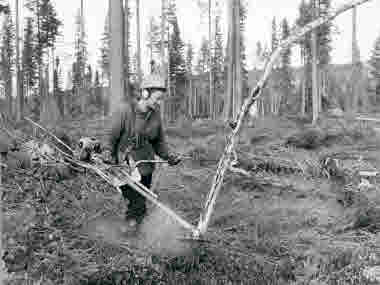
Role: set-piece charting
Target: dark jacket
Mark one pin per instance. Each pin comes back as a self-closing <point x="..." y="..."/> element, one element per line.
<point x="139" y="134"/>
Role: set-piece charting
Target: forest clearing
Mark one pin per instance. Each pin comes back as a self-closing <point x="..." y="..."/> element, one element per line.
<point x="285" y="219"/>
<point x="261" y="176"/>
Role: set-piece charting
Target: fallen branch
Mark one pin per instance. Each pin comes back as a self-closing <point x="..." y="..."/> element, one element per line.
<point x="50" y="133"/>
<point x="224" y="161"/>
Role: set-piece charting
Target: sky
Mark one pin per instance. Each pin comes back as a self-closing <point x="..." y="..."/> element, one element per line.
<point x="193" y="26"/>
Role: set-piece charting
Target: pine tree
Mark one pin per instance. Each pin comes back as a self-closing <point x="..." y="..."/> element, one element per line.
<point x="375" y="64"/>
<point x="7" y="62"/>
<point x="97" y="79"/>
<point x="305" y="16"/>
<point x="243" y="56"/>
<point x="88" y="77"/>
<point x="176" y="53"/>
<point x="57" y="81"/>
<point x="285" y="66"/>
<point x="203" y="56"/>
<point x="218" y="67"/>
<point x="274" y="39"/>
<point x="80" y="54"/>
<point x="324" y="38"/>
<point x="177" y="64"/>
<point x="104" y="61"/>
<point x="29" y="64"/>
<point x="47" y="26"/>
<point x="218" y="62"/>
<point x="324" y="41"/>
<point x="189" y="59"/>
<point x="153" y="38"/>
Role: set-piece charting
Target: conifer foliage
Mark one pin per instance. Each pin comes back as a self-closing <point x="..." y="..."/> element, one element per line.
<point x="375" y="64"/>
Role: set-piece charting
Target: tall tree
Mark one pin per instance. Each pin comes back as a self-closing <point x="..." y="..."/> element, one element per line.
<point x="80" y="53"/>
<point x="323" y="47"/>
<point x="234" y="94"/>
<point x="29" y="64"/>
<point x="285" y="66"/>
<point x="203" y="57"/>
<point x="274" y="39"/>
<point x="218" y="65"/>
<point x="375" y="66"/>
<point x="189" y="59"/>
<point x="211" y="82"/>
<point x="19" y="93"/>
<point x="117" y="55"/>
<point x="176" y="52"/>
<point x="47" y="26"/>
<point x="314" y="52"/>
<point x="97" y="79"/>
<point x="153" y="38"/>
<point x="305" y="16"/>
<point x="8" y="58"/>
<point x="138" y="37"/>
<point x="126" y="55"/>
<point x="243" y="57"/>
<point x="177" y="66"/>
<point x="57" y="81"/>
<point x="104" y="60"/>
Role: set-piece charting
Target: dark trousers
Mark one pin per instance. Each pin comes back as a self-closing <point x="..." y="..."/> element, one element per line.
<point x="137" y="202"/>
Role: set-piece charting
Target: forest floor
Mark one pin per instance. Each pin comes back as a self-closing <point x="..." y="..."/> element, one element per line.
<point x="285" y="221"/>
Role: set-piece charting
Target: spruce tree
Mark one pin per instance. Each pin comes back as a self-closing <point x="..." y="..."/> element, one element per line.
<point x="203" y="56"/>
<point x="46" y="25"/>
<point x="176" y="53"/>
<point x="57" y="76"/>
<point x="218" y="62"/>
<point x="375" y="64"/>
<point x="285" y="65"/>
<point x="243" y="56"/>
<point x="177" y="64"/>
<point x="104" y="61"/>
<point x="7" y="62"/>
<point x="80" y="54"/>
<point x="29" y="64"/>
<point x="153" y="38"/>
<point x="97" y="79"/>
<point x="324" y="38"/>
<point x="189" y="59"/>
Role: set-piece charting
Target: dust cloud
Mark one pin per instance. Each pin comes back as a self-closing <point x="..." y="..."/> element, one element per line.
<point x="161" y="234"/>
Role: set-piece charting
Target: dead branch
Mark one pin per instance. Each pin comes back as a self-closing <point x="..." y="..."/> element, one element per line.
<point x="224" y="161"/>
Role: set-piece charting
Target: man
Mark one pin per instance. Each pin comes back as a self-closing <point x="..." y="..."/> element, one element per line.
<point x="137" y="133"/>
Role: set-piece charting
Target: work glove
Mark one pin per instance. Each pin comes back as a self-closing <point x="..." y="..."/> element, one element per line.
<point x="174" y="159"/>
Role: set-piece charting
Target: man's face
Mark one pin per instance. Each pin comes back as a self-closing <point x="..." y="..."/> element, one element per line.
<point x="155" y="99"/>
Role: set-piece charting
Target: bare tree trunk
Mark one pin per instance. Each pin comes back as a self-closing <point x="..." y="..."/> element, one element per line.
<point x="190" y="97"/>
<point x="138" y="42"/>
<point x="116" y="63"/>
<point x="196" y="113"/>
<point x="162" y="50"/>
<point x="314" y="68"/>
<point x="20" y="97"/>
<point x="230" y="54"/>
<point x="126" y="49"/>
<point x="168" y="70"/>
<point x="211" y="108"/>
<point x="238" y="92"/>
<point x="356" y="66"/>
<point x="303" y="85"/>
